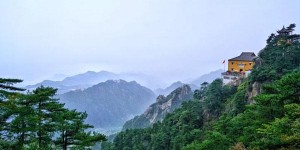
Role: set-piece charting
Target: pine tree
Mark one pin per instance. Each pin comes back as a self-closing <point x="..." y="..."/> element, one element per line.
<point x="23" y="123"/>
<point x="8" y="92"/>
<point x="72" y="130"/>
<point x="37" y="117"/>
<point x="6" y="85"/>
<point x="46" y="109"/>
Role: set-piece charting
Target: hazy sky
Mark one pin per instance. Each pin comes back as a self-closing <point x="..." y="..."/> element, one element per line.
<point x="171" y="39"/>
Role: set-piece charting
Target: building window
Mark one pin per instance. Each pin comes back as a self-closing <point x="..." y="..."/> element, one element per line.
<point x="232" y="63"/>
<point x="250" y="64"/>
<point x="241" y="70"/>
<point x="241" y="65"/>
<point x="231" y="69"/>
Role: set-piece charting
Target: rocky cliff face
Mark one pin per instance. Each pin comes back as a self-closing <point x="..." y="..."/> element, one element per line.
<point x="158" y="110"/>
<point x="255" y="90"/>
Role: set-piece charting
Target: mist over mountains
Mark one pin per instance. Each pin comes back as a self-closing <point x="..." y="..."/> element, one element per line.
<point x="208" y="77"/>
<point x="90" y="78"/>
<point x="110" y="99"/>
<point x="193" y="83"/>
<point x="110" y="103"/>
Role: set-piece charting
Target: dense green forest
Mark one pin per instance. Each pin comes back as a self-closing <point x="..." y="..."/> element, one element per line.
<point x="36" y="120"/>
<point x="226" y="117"/>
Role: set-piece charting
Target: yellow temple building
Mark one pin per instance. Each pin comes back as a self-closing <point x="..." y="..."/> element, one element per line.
<point x="242" y="63"/>
<point x="239" y="67"/>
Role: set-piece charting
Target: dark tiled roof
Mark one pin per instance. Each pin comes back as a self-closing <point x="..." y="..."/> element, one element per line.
<point x="283" y="30"/>
<point x="245" y="56"/>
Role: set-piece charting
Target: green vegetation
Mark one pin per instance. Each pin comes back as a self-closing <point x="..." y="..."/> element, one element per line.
<point x="222" y="117"/>
<point x="279" y="57"/>
<point x="36" y="120"/>
<point x="177" y="130"/>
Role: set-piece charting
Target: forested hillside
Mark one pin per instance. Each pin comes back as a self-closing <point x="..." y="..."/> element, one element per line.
<point x="37" y="121"/>
<point x="228" y="117"/>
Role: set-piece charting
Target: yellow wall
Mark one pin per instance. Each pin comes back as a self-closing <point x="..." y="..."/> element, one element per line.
<point x="235" y="66"/>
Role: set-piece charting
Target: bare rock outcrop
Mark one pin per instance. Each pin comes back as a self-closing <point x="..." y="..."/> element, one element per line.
<point x="158" y="110"/>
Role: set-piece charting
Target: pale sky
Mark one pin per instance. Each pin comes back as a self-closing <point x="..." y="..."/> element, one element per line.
<point x="170" y="39"/>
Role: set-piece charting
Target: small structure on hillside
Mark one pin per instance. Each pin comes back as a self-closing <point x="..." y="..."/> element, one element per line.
<point x="286" y="35"/>
<point x="284" y="31"/>
<point x="239" y="67"/>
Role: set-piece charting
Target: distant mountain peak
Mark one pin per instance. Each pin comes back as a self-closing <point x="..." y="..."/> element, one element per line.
<point x="103" y="71"/>
<point x="118" y="81"/>
<point x="90" y="72"/>
<point x="172" y="87"/>
<point x="90" y="78"/>
<point x="178" y="82"/>
<point x="209" y="77"/>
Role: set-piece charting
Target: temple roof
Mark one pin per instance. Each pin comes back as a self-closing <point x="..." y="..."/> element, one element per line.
<point x="245" y="56"/>
<point x="284" y="30"/>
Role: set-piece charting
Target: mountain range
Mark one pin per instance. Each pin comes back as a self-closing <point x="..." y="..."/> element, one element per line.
<point x="208" y="77"/>
<point x="90" y="78"/>
<point x="194" y="83"/>
<point x="111" y="103"/>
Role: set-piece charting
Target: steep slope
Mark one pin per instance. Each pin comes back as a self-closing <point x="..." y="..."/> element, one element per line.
<point x="111" y="103"/>
<point x="158" y="110"/>
<point x="221" y="119"/>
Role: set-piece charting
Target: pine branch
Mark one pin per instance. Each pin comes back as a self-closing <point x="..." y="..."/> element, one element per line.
<point x="8" y="87"/>
<point x="10" y="81"/>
